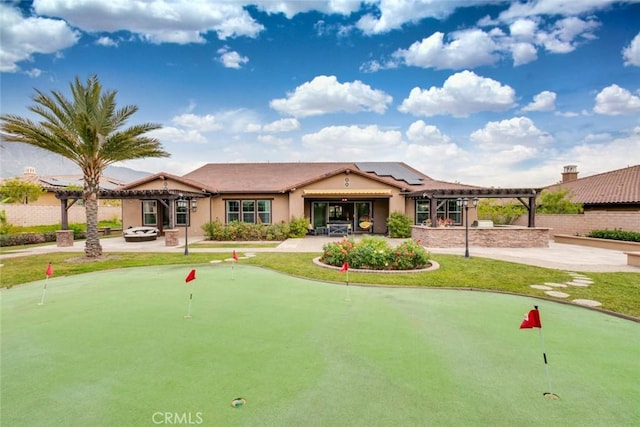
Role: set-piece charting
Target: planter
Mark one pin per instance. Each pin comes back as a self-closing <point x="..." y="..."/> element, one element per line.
<point x="617" y="245"/>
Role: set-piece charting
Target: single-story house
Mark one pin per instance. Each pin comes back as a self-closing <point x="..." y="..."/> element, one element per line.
<point x="358" y="195"/>
<point x="609" y="199"/>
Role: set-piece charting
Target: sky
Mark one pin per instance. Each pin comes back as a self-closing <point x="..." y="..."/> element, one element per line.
<point x="481" y="92"/>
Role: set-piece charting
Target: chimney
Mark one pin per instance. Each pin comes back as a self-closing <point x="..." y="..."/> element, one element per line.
<point x="570" y="173"/>
<point x="29" y="171"/>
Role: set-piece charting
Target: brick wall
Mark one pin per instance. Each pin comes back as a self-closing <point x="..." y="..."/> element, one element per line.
<point x="495" y="237"/>
<point x="582" y="224"/>
<point x="28" y="215"/>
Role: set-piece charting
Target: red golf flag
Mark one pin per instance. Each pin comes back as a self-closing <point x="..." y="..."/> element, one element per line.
<point x="235" y="255"/>
<point x="345" y="267"/>
<point x="191" y="276"/>
<point x="49" y="271"/>
<point x="531" y="320"/>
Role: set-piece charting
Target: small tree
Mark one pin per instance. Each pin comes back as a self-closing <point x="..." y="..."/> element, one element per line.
<point x="16" y="190"/>
<point x="500" y="213"/>
<point x="557" y="202"/>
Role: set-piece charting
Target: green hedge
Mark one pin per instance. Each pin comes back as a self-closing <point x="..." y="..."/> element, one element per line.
<point x="616" y="234"/>
<point x="242" y="231"/>
<point x="374" y="253"/>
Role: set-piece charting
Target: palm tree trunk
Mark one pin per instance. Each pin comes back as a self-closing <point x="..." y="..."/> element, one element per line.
<point x="92" y="247"/>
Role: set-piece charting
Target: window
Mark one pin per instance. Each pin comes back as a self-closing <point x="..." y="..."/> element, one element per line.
<point x="233" y="210"/>
<point x="422" y="211"/>
<point x="182" y="212"/>
<point x="149" y="213"/>
<point x="249" y="211"/>
<point x="264" y="211"/>
<point x="446" y="210"/>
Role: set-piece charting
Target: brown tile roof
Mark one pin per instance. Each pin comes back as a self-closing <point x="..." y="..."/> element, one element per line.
<point x="281" y="177"/>
<point x="618" y="186"/>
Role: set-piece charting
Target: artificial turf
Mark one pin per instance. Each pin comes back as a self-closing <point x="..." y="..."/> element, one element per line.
<point x="114" y="348"/>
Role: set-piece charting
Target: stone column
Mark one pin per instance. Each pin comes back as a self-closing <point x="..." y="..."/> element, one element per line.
<point x="64" y="238"/>
<point x="171" y="237"/>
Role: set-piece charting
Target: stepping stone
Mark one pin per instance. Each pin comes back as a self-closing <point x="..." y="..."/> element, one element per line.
<point x="580" y="285"/>
<point x="587" y="302"/>
<point x="557" y="294"/>
<point x="249" y="254"/>
<point x="585" y="281"/>
<point x="215" y="261"/>
<point x="542" y="287"/>
<point x="580" y="276"/>
<point x="556" y="285"/>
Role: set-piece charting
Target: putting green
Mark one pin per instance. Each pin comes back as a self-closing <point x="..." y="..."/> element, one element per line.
<point x="114" y="348"/>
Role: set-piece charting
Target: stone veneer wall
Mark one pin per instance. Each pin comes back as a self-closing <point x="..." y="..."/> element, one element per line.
<point x="494" y="237"/>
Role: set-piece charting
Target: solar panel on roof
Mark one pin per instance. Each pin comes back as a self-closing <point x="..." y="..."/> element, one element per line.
<point x="60" y="183"/>
<point x="396" y="171"/>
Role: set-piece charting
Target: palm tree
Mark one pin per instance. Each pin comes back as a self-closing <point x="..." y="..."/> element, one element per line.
<point x="86" y="130"/>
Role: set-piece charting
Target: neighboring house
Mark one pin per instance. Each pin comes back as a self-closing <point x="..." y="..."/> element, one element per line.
<point x="610" y="200"/>
<point x="46" y="210"/>
<point x="617" y="190"/>
<point x="359" y="195"/>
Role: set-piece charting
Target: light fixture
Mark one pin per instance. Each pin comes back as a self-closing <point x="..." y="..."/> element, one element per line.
<point x="194" y="205"/>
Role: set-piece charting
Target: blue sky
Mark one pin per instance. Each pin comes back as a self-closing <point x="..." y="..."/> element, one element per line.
<point x="488" y="93"/>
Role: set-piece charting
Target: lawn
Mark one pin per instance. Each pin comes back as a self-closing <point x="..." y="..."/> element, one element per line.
<point x="113" y="348"/>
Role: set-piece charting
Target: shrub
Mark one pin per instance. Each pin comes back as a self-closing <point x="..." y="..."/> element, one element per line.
<point x="399" y="225"/>
<point x="409" y="255"/>
<point x="298" y="227"/>
<point x="374" y="253"/>
<point x="616" y="234"/>
<point x="213" y="230"/>
<point x="5" y="227"/>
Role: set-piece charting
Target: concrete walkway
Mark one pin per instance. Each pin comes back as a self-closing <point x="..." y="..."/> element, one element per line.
<point x="557" y="256"/>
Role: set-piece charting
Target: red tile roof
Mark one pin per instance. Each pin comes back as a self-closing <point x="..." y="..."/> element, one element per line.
<point x="621" y="186"/>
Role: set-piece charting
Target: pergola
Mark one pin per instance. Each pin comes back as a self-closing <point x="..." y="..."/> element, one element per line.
<point x="526" y="196"/>
<point x="162" y="196"/>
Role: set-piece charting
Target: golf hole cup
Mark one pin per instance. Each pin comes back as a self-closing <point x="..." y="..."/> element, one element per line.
<point x="238" y="402"/>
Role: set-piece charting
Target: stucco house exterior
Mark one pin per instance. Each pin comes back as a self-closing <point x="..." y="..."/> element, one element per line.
<point x="331" y="195"/>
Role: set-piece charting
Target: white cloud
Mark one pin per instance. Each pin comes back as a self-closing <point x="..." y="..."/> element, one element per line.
<point x="324" y="95"/>
<point x="467" y="48"/>
<point x="354" y="142"/>
<point x="107" y="42"/>
<point x="206" y="123"/>
<point x="420" y="132"/>
<point x="180" y="136"/>
<point x="523" y="53"/>
<point x="34" y="73"/>
<point x="461" y="94"/>
<point x="232" y="59"/>
<point x="631" y="53"/>
<point x="293" y="7"/>
<point x="393" y="14"/>
<point x="544" y="101"/>
<point x="523" y="30"/>
<point x="518" y="131"/>
<point x="275" y="141"/>
<point x="159" y="21"/>
<point x="614" y="100"/>
<point x="282" y="125"/>
<point x="566" y="34"/>
<point x="22" y="37"/>
<point x="553" y="7"/>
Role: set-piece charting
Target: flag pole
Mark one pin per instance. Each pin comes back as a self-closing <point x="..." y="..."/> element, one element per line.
<point x="550" y="393"/>
<point x="191" y="276"/>
<point x="44" y="290"/>
<point x="48" y="273"/>
<point x="188" y="316"/>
